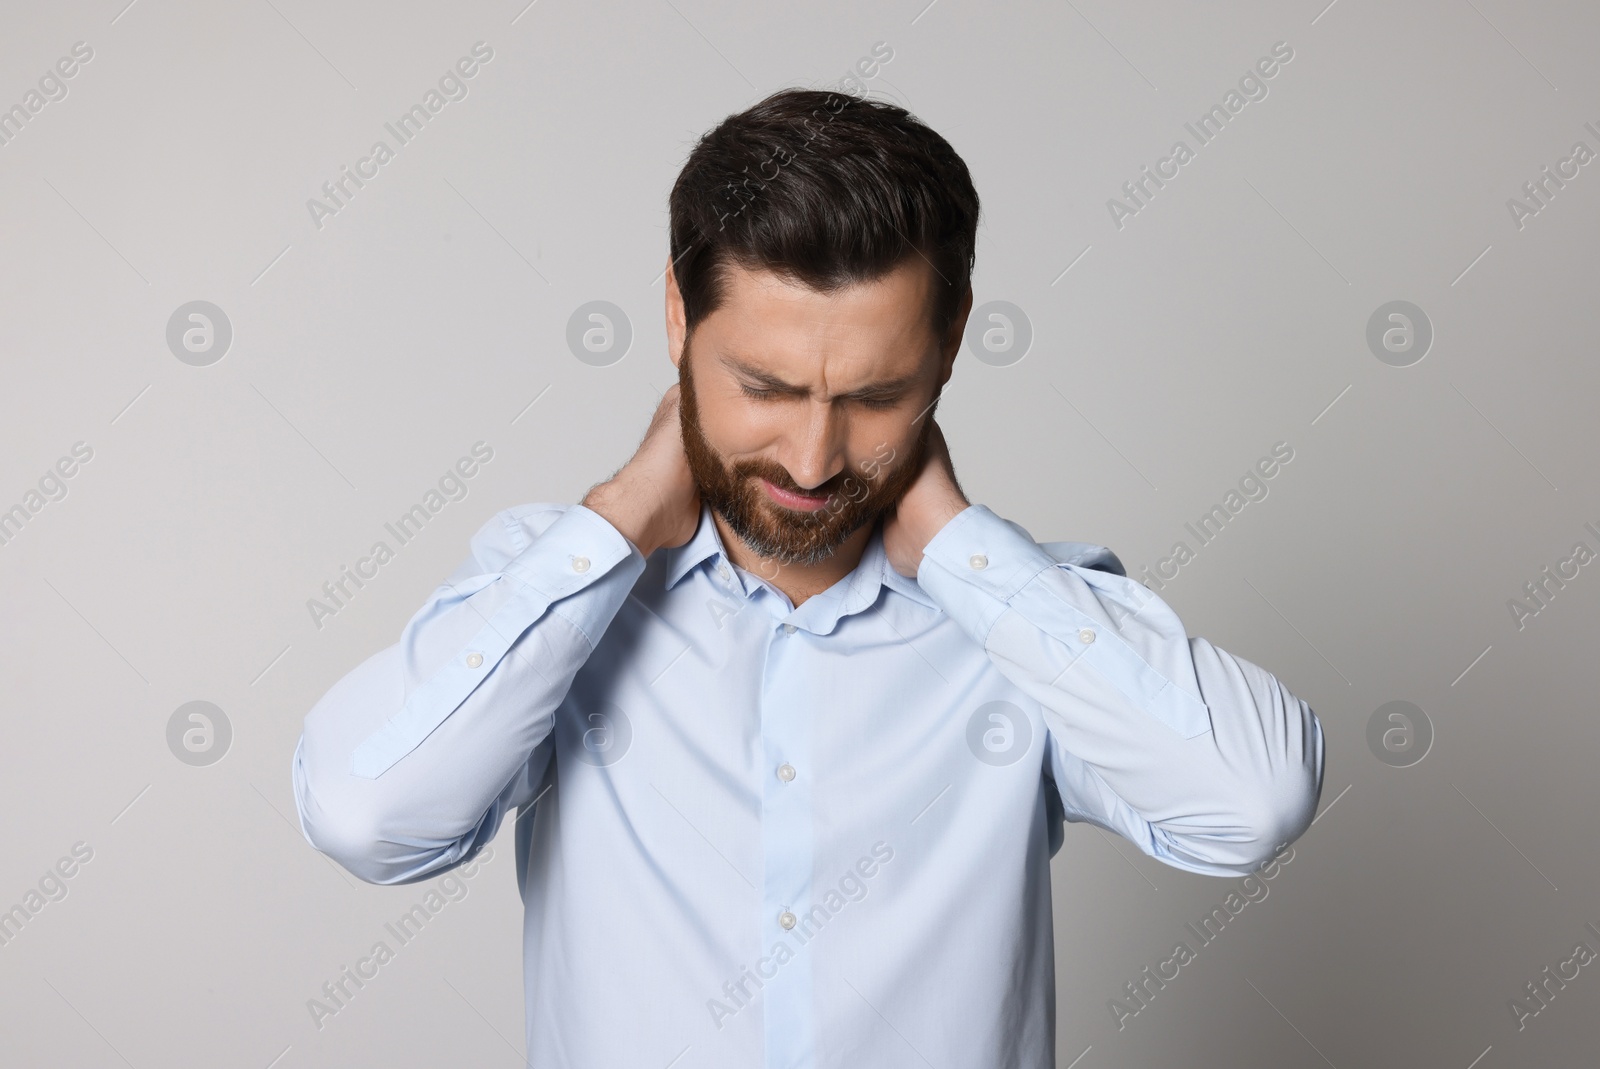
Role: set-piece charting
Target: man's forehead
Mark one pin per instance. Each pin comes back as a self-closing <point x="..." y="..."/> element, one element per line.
<point x="842" y="375"/>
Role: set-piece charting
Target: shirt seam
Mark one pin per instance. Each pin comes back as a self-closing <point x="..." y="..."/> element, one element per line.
<point x="555" y="609"/>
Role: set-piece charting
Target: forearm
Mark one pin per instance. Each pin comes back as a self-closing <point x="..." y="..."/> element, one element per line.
<point x="409" y="762"/>
<point x="1213" y="753"/>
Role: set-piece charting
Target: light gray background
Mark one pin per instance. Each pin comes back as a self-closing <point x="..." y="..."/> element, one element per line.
<point x="369" y="355"/>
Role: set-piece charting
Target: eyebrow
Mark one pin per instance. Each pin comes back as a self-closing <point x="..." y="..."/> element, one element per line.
<point x="768" y="380"/>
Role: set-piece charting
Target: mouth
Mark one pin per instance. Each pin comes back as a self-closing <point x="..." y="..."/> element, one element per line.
<point x="799" y="502"/>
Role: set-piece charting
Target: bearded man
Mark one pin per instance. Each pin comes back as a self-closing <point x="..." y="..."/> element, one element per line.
<point x="792" y="726"/>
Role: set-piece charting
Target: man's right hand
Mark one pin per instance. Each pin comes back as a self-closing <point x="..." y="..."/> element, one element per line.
<point x="652" y="499"/>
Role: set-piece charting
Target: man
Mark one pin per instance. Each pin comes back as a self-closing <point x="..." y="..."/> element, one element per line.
<point x="791" y="725"/>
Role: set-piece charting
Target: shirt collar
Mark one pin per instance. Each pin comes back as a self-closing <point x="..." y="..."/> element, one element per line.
<point x="857" y="591"/>
<point x="706" y="543"/>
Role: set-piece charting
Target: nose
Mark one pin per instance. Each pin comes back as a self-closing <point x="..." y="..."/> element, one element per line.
<point x="815" y="453"/>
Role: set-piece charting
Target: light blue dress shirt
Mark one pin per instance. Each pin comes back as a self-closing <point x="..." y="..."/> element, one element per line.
<point x="753" y="835"/>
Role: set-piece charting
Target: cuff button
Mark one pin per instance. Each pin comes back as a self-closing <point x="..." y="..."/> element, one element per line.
<point x="580" y="564"/>
<point x="474" y="660"/>
<point x="978" y="562"/>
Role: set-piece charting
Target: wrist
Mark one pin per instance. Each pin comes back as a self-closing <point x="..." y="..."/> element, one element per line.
<point x="624" y="509"/>
<point x="938" y="515"/>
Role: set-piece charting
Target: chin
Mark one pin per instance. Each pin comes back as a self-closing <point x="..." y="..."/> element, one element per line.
<point x="774" y="539"/>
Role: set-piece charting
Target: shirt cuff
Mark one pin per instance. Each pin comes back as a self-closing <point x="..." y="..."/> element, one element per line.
<point x="975" y="564"/>
<point x="574" y="552"/>
<point x="577" y="548"/>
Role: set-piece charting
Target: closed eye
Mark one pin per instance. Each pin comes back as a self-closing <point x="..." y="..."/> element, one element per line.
<point x="875" y="403"/>
<point x="879" y="402"/>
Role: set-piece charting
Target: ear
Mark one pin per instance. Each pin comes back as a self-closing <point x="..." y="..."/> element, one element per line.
<point x="676" y="329"/>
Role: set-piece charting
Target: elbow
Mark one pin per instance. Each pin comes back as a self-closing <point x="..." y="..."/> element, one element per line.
<point x="1285" y="803"/>
<point x="343" y="829"/>
<point x="1269" y="810"/>
<point x="1280" y="819"/>
<point x="1269" y="751"/>
<point x="1247" y="841"/>
<point x="351" y="847"/>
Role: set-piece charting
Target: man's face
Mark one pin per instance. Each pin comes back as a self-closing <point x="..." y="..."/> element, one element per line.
<point x="805" y="415"/>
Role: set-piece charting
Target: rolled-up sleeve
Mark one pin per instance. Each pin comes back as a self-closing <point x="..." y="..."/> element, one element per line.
<point x="1201" y="758"/>
<point x="408" y="764"/>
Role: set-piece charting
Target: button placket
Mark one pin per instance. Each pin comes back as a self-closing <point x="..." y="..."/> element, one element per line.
<point x="787" y="712"/>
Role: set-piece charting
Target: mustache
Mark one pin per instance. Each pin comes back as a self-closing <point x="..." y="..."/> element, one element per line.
<point x="880" y="486"/>
<point x="776" y="475"/>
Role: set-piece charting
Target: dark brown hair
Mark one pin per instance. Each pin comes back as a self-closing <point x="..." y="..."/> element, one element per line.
<point x="826" y="189"/>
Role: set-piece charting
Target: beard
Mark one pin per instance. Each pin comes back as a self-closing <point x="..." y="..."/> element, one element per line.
<point x="791" y="536"/>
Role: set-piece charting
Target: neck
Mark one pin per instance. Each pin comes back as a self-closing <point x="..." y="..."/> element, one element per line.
<point x="798" y="581"/>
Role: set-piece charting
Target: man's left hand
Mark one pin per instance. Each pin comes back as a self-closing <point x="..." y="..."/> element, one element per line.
<point x="933" y="501"/>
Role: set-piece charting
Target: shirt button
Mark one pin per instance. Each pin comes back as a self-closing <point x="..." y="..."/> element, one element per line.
<point x="786" y="772"/>
<point x="978" y="562"/>
<point x="474" y="660"/>
<point x="1086" y="635"/>
<point x="789" y="629"/>
<point x="580" y="564"/>
<point x="722" y="572"/>
<point x="786" y="919"/>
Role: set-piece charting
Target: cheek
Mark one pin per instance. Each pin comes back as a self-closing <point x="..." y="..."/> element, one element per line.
<point x="740" y="428"/>
<point x="894" y="432"/>
<point x="881" y="445"/>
